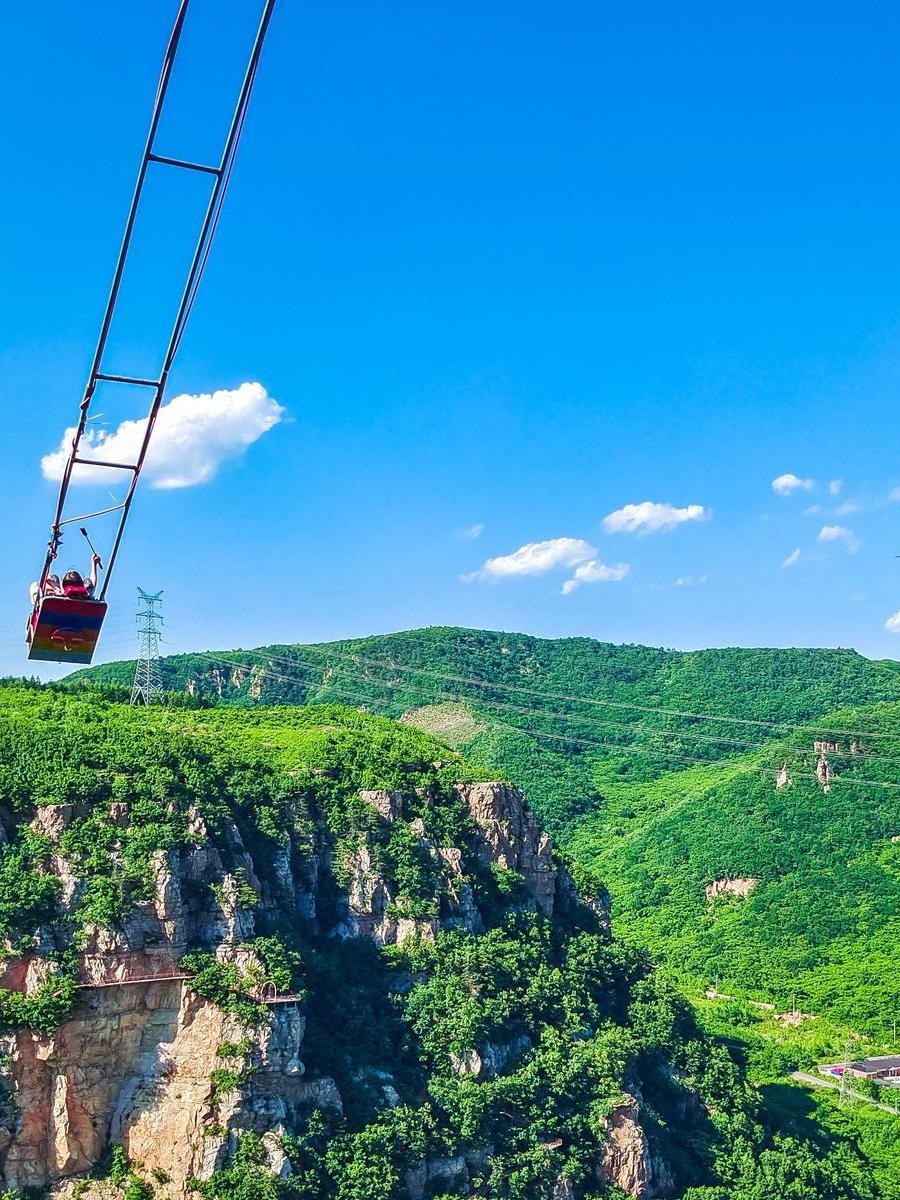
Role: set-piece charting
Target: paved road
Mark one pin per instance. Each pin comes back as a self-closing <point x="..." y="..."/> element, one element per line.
<point x="825" y="1082"/>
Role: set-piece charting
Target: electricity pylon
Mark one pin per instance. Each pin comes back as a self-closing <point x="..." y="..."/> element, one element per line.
<point x="147" y="687"/>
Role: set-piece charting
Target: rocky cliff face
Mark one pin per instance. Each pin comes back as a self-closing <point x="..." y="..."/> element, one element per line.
<point x="145" y="1063"/>
<point x="134" y="1067"/>
<point x="627" y="1161"/>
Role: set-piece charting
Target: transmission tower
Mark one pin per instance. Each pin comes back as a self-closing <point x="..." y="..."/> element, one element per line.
<point x="147" y="686"/>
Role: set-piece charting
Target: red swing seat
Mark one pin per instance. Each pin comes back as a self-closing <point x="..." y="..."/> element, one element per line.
<point x="63" y="630"/>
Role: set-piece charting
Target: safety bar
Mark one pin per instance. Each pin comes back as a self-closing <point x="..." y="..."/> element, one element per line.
<point x="100" y="462"/>
<point x="182" y="162"/>
<point x="87" y="516"/>
<point x="126" y="379"/>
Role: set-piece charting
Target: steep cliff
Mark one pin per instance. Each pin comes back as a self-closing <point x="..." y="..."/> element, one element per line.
<point x="141" y="1059"/>
<point x="300" y="953"/>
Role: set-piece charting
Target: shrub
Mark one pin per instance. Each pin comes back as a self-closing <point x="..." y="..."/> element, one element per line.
<point x="137" y="1189"/>
<point x="119" y="1166"/>
<point x="246" y="1178"/>
<point x="43" y="1011"/>
<point x="225" y="986"/>
<point x="224" y="1081"/>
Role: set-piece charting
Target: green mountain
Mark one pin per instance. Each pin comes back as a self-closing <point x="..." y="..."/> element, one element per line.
<point x="550" y="712"/>
<point x="658" y="768"/>
<point x="787" y="894"/>
<point x="304" y="952"/>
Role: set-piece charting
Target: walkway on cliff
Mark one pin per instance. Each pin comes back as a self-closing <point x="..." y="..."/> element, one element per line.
<point x="133" y="970"/>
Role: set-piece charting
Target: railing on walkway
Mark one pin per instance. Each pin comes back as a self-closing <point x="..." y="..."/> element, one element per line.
<point x="135" y="968"/>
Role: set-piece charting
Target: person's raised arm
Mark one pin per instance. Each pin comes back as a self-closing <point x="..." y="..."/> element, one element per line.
<point x="95" y="566"/>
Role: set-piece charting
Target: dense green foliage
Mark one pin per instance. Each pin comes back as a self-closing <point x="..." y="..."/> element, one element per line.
<point x="822" y="921"/>
<point x="42" y="1011"/>
<point x="574" y="693"/>
<point x="564" y="1024"/>
<point x="225" y="986"/>
<point x="769" y="1048"/>
<point x="661" y="803"/>
<point x="574" y="1019"/>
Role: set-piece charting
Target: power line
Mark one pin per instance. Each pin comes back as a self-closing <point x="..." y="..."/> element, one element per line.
<point x="568" y="738"/>
<point x="768" y="772"/>
<point x="656" y="709"/>
<point x="633" y="728"/>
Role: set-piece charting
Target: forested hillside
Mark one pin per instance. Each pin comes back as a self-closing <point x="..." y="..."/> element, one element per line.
<point x="547" y="713"/>
<point x="659" y="769"/>
<point x="815" y="914"/>
<point x="466" y="1026"/>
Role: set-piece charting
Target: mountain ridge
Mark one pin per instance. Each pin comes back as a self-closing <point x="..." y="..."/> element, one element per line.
<point x="565" y="702"/>
<point x="387" y="985"/>
<point x="618" y="778"/>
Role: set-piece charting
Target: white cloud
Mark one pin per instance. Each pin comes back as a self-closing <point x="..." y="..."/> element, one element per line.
<point x="833" y="533"/>
<point x="686" y="581"/>
<point x="792" y="558"/>
<point x="839" y="533"/>
<point x="471" y="532"/>
<point x="848" y="508"/>
<point x="785" y="484"/>
<point x="835" y="486"/>
<point x="650" y="517"/>
<point x="813" y="510"/>
<point x="595" y="571"/>
<point x="536" y="558"/>
<point x="192" y="437"/>
<point x="892" y="624"/>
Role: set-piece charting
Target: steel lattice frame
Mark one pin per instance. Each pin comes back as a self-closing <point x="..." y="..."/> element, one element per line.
<point x="148" y="686"/>
<point x="220" y="174"/>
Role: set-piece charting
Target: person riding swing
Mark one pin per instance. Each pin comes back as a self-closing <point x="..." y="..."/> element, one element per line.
<point x="76" y="587"/>
<point x="66" y="617"/>
<point x="73" y="585"/>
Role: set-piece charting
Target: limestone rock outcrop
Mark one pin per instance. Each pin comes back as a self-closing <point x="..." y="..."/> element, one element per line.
<point x="136" y="1062"/>
<point x="740" y="888"/>
<point x="492" y="1058"/>
<point x="511" y="838"/>
<point x="134" y="1067"/>
<point x="387" y="804"/>
<point x="627" y="1160"/>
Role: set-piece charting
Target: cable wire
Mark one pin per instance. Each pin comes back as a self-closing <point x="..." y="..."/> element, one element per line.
<point x="768" y="772"/>
<point x="806" y="729"/>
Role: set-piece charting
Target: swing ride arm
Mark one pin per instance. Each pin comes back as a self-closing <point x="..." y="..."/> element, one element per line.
<point x="219" y="173"/>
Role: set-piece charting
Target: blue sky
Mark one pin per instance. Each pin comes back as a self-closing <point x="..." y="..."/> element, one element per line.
<point x="497" y="268"/>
